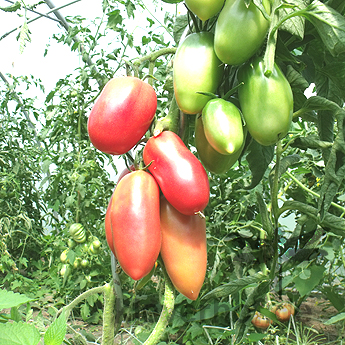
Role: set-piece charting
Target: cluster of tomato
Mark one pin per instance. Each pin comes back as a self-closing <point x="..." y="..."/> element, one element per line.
<point x="283" y="313"/>
<point x="158" y="210"/>
<point x="154" y="210"/>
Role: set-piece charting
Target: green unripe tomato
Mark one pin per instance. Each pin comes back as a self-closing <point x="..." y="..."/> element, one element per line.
<point x="76" y="263"/>
<point x="63" y="270"/>
<point x="223" y="126"/>
<point x="266" y="102"/>
<point x="93" y="250"/>
<point x="205" y="9"/>
<point x="63" y="256"/>
<point x="196" y="69"/>
<point x="84" y="263"/>
<point x="96" y="243"/>
<point x="210" y="158"/>
<point x="240" y="31"/>
<point x="71" y="243"/>
<point x="77" y="232"/>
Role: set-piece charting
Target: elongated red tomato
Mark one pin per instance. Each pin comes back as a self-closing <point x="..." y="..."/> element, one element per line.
<point x="107" y="222"/>
<point x="121" y="115"/>
<point x="180" y="175"/>
<point x="135" y="223"/>
<point x="184" y="249"/>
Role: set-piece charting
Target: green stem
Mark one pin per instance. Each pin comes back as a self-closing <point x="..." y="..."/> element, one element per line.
<point x="170" y="122"/>
<point x="109" y="315"/>
<point x="168" y="308"/>
<point x="154" y="55"/>
<point x="300" y="184"/>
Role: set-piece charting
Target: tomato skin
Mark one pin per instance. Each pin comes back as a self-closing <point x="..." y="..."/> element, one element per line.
<point x="266" y="102"/>
<point x="212" y="160"/>
<point x="135" y="223"/>
<point x="260" y="321"/>
<point x="121" y="115"/>
<point x="196" y="69"/>
<point x="240" y="31"/>
<point x="180" y="175"/>
<point x="184" y="249"/>
<point x="107" y="222"/>
<point x="205" y="9"/>
<point x="223" y="126"/>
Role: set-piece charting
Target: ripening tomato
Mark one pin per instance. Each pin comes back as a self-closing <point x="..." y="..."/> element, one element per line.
<point x="266" y="102"/>
<point x="196" y="69"/>
<point x="213" y="161"/>
<point x="205" y="9"/>
<point x="184" y="249"/>
<point x="260" y="321"/>
<point x="121" y="115"/>
<point x="180" y="175"/>
<point x="240" y="31"/>
<point x="135" y="223"/>
<point x="284" y="311"/>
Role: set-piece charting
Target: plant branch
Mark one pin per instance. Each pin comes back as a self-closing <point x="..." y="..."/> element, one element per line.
<point x="154" y="55"/>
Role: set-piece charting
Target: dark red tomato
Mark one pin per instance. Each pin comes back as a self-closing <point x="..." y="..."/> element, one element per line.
<point x="180" y="175"/>
<point x="184" y="249"/>
<point x="260" y="321"/>
<point x="135" y="223"/>
<point x="107" y="223"/>
<point x="121" y="115"/>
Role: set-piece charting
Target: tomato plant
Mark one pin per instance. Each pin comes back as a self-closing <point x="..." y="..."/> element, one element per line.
<point x="183" y="249"/>
<point x="213" y="161"/>
<point x="205" y="9"/>
<point x="121" y="115"/>
<point x="248" y="28"/>
<point x="284" y="311"/>
<point x="135" y="224"/>
<point x="223" y="126"/>
<point x="180" y="175"/>
<point x="196" y="69"/>
<point x="266" y="102"/>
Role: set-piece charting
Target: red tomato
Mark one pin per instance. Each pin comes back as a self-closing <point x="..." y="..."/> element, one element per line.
<point x="121" y="115"/>
<point x="180" y="175"/>
<point x="135" y="223"/>
<point x="261" y="321"/>
<point x="107" y="223"/>
<point x="184" y="249"/>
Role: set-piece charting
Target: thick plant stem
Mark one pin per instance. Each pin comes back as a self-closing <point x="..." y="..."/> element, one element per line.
<point x="168" y="308"/>
<point x="109" y="315"/>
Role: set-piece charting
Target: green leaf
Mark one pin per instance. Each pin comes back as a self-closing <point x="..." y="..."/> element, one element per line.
<point x="329" y="24"/>
<point x="316" y="275"/>
<point x="258" y="158"/>
<point x="130" y="8"/>
<point x="321" y="103"/>
<point x="114" y="19"/>
<point x="9" y="299"/>
<point x="56" y="332"/>
<point x="23" y="36"/>
<point x="180" y="25"/>
<point x="19" y="333"/>
<point x="211" y="309"/>
<point x="234" y="286"/>
<point x="310" y="142"/>
<point x="12" y="8"/>
<point x="265" y="218"/>
<point x="335" y="319"/>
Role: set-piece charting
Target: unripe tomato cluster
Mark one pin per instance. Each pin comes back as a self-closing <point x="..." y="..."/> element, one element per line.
<point x="157" y="209"/>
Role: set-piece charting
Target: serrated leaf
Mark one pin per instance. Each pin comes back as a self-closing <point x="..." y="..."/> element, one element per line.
<point x="19" y="333"/>
<point x="12" y="8"/>
<point x="114" y="19"/>
<point x="56" y="332"/>
<point x="329" y="24"/>
<point x="316" y="275"/>
<point x="310" y="142"/>
<point x="234" y="286"/>
<point x="295" y="79"/>
<point x="258" y="158"/>
<point x="24" y="36"/>
<point x="320" y="103"/>
<point x="9" y="299"/>
<point x="180" y="25"/>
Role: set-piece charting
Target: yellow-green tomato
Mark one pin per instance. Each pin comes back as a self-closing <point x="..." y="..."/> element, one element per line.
<point x="205" y="9"/>
<point x="210" y="158"/>
<point x="266" y="102"/>
<point x="240" y="31"/>
<point x="196" y="69"/>
<point x="63" y="256"/>
<point x="223" y="126"/>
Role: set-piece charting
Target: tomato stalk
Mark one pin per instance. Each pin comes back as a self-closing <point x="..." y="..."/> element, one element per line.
<point x="170" y="121"/>
<point x="167" y="310"/>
